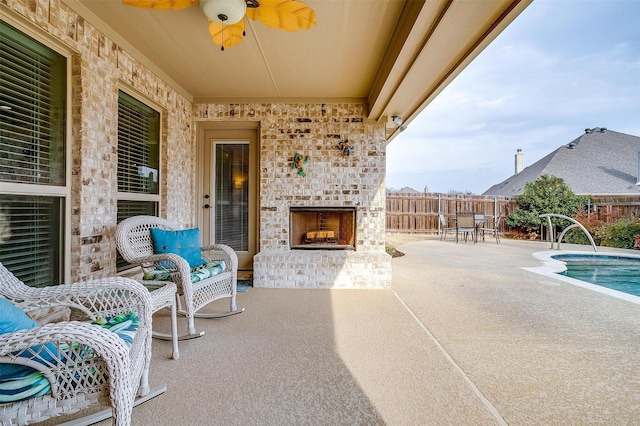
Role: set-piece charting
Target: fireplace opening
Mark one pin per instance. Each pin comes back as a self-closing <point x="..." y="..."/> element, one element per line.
<point x="322" y="228"/>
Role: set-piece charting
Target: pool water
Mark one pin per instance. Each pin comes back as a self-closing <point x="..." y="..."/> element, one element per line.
<point x="615" y="272"/>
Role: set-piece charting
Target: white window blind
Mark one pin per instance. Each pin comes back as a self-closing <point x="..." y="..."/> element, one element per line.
<point x="32" y="106"/>
<point x="232" y="195"/>
<point x="138" y="139"/>
<point x="32" y="152"/>
<point x="33" y="228"/>
<point x="138" y="161"/>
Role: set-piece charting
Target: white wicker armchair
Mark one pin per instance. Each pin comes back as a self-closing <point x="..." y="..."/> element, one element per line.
<point x="134" y="242"/>
<point x="92" y="365"/>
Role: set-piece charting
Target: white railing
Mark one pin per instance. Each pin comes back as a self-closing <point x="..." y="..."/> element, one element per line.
<point x="575" y="224"/>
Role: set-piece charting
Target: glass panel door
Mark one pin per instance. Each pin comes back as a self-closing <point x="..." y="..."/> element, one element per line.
<point x="231" y="195"/>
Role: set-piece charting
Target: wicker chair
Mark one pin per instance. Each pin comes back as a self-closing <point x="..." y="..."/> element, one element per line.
<point x="134" y="242"/>
<point x="92" y="365"/>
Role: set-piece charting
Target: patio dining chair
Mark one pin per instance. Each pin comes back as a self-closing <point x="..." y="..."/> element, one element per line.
<point x="202" y="274"/>
<point x="445" y="227"/>
<point x="479" y="220"/>
<point x="101" y="357"/>
<point x="466" y="224"/>
<point x="494" y="229"/>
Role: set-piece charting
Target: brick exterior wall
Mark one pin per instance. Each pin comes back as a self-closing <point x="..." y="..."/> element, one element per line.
<point x="332" y="180"/>
<point x="100" y="68"/>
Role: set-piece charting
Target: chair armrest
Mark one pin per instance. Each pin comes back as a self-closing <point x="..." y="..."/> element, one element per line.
<point x="180" y="275"/>
<point x="17" y="348"/>
<point x="153" y="261"/>
<point x="221" y="252"/>
<point x="97" y="298"/>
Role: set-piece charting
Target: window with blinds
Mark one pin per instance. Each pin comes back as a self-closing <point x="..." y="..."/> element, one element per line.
<point x="32" y="107"/>
<point x="232" y="195"/>
<point x="138" y="161"/>
<point x="30" y="237"/>
<point x="32" y="158"/>
<point x="138" y="141"/>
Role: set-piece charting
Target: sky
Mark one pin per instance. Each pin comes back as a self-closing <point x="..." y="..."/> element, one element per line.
<point x="562" y="66"/>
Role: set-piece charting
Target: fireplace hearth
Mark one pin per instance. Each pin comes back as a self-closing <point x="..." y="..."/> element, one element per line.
<point x="322" y="228"/>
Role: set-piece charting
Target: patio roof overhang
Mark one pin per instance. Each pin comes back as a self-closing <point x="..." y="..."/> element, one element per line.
<point x="393" y="55"/>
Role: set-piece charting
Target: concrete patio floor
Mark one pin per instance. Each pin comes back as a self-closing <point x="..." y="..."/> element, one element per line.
<point x="465" y="337"/>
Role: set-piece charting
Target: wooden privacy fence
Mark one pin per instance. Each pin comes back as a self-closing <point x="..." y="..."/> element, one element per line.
<point x="612" y="208"/>
<point x="418" y="213"/>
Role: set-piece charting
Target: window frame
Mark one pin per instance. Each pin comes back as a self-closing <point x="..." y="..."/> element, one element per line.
<point x="137" y="196"/>
<point x="215" y="192"/>
<point x="60" y="191"/>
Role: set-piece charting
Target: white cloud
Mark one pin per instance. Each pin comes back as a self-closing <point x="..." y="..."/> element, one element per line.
<point x="559" y="68"/>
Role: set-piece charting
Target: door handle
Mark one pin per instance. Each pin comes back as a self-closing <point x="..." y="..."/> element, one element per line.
<point x="207" y="206"/>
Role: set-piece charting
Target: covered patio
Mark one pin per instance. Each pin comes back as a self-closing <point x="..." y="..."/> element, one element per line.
<point x="478" y="341"/>
<point x="448" y="334"/>
<point x="225" y="128"/>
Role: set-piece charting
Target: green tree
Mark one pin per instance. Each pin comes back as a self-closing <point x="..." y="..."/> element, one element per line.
<point x="547" y="194"/>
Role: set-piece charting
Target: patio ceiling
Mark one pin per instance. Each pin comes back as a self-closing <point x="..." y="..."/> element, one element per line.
<point x="395" y="55"/>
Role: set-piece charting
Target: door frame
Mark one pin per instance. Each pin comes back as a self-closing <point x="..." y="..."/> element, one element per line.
<point x="221" y="130"/>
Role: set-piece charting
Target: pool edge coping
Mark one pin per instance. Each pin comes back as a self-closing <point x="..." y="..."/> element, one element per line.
<point x="552" y="267"/>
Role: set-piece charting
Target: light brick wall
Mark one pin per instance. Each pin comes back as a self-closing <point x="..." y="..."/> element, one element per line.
<point x="100" y="68"/>
<point x="332" y="180"/>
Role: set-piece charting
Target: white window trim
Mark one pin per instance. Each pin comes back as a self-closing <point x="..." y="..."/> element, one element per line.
<point x="132" y="196"/>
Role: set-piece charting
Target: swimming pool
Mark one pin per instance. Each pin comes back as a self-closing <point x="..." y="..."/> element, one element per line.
<point x="619" y="273"/>
<point x="616" y="274"/>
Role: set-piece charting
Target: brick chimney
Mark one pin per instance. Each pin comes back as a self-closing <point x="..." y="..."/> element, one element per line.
<point x="519" y="161"/>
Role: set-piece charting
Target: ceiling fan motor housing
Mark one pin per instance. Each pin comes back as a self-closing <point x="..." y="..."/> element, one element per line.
<point x="224" y="11"/>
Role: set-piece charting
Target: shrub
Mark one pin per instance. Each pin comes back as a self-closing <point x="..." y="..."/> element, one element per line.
<point x="547" y="194"/>
<point x="590" y="221"/>
<point x="622" y="234"/>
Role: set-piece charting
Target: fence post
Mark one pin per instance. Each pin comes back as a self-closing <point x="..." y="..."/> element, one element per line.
<point x="439" y="211"/>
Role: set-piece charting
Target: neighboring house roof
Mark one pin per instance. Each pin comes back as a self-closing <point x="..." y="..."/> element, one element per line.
<point x="408" y="190"/>
<point x="599" y="162"/>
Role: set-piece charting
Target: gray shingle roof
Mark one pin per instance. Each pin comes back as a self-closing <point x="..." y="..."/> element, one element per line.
<point x="599" y="162"/>
<point x="408" y="190"/>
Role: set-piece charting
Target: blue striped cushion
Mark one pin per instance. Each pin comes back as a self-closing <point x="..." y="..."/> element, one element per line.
<point x="29" y="384"/>
<point x="125" y="326"/>
<point x="25" y="382"/>
<point x="197" y="274"/>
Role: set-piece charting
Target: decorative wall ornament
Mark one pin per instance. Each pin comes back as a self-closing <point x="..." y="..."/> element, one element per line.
<point x="299" y="162"/>
<point x="345" y="147"/>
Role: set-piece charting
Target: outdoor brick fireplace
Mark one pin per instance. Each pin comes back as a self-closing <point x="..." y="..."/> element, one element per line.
<point x="337" y="193"/>
<point x="322" y="228"/>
